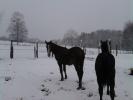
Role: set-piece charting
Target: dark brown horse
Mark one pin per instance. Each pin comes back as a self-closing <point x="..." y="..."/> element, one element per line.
<point x="73" y="56"/>
<point x="105" y="70"/>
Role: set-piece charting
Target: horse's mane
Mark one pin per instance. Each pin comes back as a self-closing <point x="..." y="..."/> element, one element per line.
<point x="104" y="47"/>
<point x="59" y="50"/>
<point x="58" y="45"/>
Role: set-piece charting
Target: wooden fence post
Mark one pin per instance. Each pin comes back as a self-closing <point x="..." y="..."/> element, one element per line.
<point x="11" y="50"/>
<point x="116" y="50"/>
<point x="99" y="45"/>
<point x="110" y="46"/>
<point x="34" y="51"/>
<point x="37" y="49"/>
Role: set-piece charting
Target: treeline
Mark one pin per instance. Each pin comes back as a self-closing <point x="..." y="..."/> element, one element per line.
<point x="123" y="39"/>
<point x="92" y="39"/>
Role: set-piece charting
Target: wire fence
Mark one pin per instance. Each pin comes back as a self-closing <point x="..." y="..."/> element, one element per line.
<point x="22" y="50"/>
<point x="38" y="50"/>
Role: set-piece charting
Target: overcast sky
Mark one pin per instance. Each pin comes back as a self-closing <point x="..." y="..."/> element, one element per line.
<point x="48" y="19"/>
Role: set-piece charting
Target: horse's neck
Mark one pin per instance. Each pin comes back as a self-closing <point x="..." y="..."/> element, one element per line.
<point x="105" y="52"/>
<point x="57" y="50"/>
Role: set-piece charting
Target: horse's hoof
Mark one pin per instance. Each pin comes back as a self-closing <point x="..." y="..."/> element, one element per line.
<point x="107" y="92"/>
<point x="65" y="77"/>
<point x="80" y="88"/>
<point x="62" y="80"/>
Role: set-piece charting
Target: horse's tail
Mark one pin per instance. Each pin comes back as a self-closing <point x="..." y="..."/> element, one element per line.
<point x="107" y="74"/>
<point x="102" y="77"/>
<point x="105" y="77"/>
<point x="81" y="59"/>
<point x="84" y="50"/>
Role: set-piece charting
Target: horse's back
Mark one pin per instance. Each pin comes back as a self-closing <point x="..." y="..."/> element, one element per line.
<point x="77" y="52"/>
<point x="105" y="59"/>
<point x="105" y="67"/>
<point x="74" y="55"/>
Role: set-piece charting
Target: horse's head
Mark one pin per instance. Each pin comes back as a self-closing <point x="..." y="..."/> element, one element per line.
<point x="49" y="47"/>
<point x="104" y="46"/>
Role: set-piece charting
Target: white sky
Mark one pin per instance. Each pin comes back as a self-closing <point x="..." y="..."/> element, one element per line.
<point x="48" y="19"/>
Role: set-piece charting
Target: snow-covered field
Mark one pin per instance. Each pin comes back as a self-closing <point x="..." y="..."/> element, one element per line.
<point x="27" y="78"/>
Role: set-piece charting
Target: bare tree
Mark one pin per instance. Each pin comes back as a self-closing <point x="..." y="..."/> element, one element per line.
<point x="17" y="28"/>
<point x="1" y="17"/>
<point x="69" y="37"/>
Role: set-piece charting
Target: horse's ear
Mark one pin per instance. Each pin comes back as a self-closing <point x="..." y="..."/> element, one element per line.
<point x="46" y="42"/>
<point x="50" y="41"/>
<point x="101" y="41"/>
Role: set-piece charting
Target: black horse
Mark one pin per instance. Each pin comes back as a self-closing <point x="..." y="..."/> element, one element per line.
<point x="105" y="70"/>
<point x="73" y="56"/>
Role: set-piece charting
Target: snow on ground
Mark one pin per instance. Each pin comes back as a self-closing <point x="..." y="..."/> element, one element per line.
<point x="27" y="78"/>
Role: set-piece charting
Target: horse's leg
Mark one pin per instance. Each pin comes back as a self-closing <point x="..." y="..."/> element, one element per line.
<point x="76" y="68"/>
<point x="108" y="89"/>
<point x="112" y="91"/>
<point x="79" y="70"/>
<point x="61" y="71"/>
<point x="64" y="68"/>
<point x="78" y="76"/>
<point x="80" y="79"/>
<point x="100" y="91"/>
<point x="52" y="54"/>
